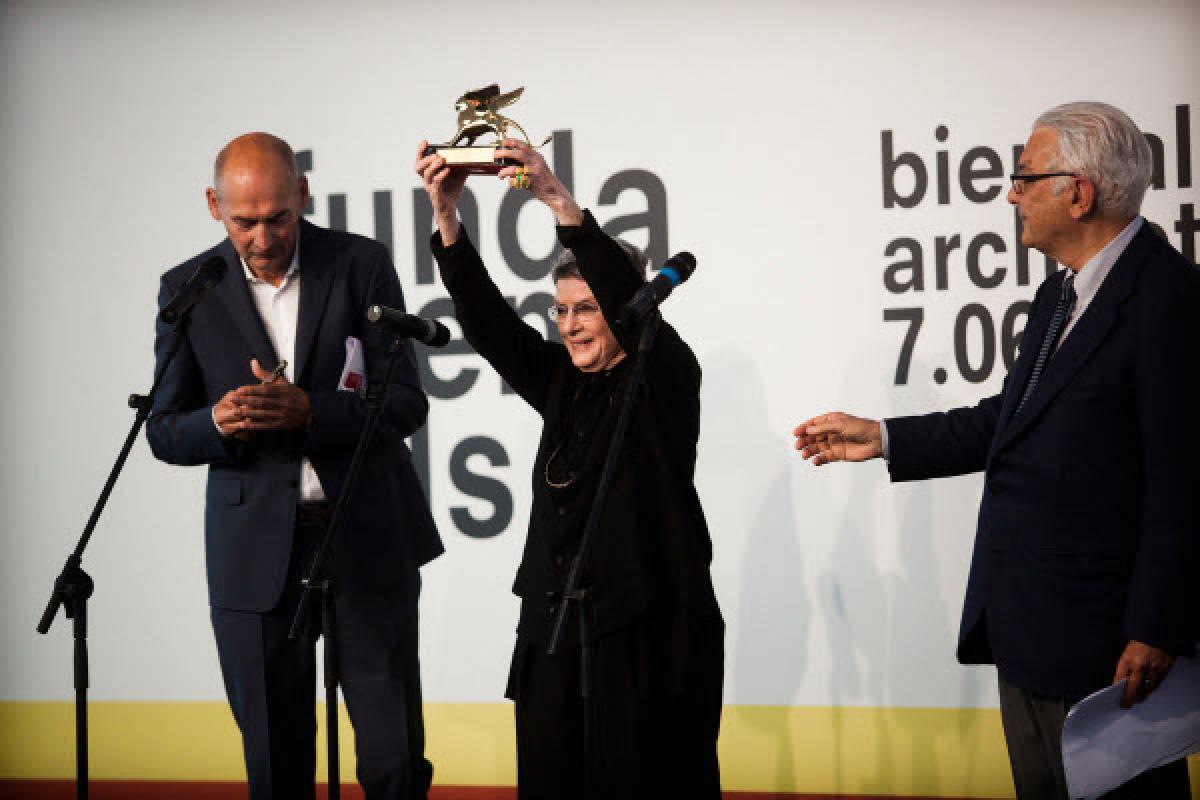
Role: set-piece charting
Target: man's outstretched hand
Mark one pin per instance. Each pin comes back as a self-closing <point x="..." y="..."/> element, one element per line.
<point x="838" y="437"/>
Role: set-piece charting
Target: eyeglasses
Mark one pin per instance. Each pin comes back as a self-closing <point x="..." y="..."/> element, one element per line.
<point x="584" y="311"/>
<point x="1019" y="181"/>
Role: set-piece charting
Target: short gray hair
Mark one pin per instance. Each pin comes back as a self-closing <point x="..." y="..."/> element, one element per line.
<point x="1101" y="143"/>
<point x="565" y="266"/>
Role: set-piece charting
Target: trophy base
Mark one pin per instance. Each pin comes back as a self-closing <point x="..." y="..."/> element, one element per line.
<point x="472" y="159"/>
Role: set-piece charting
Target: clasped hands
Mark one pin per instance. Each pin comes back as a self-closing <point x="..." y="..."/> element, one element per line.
<point x="272" y="404"/>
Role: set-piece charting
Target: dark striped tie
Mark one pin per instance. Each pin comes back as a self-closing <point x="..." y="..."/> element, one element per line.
<point x="1062" y="312"/>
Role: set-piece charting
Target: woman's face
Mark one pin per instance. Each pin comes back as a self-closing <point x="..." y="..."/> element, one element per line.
<point x="583" y="329"/>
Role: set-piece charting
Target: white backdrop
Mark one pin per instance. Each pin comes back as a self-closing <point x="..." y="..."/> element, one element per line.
<point x="765" y="124"/>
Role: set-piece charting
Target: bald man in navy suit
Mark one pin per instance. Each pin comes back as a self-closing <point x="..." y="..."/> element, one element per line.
<point x="278" y="450"/>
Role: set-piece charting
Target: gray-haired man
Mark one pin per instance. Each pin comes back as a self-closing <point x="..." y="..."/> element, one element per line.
<point x="1085" y="546"/>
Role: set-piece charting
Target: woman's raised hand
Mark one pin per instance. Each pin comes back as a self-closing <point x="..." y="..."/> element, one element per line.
<point x="535" y="176"/>
<point x="444" y="187"/>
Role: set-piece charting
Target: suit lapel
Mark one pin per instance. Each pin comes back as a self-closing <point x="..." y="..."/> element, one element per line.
<point x="1031" y="342"/>
<point x="1098" y="320"/>
<point x="316" y="278"/>
<point x="235" y="294"/>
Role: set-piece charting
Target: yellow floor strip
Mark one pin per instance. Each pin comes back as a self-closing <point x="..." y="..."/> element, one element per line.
<point x="819" y="750"/>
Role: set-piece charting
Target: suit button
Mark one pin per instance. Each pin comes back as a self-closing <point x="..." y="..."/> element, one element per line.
<point x="293" y="483"/>
<point x="560" y="560"/>
<point x="562" y="511"/>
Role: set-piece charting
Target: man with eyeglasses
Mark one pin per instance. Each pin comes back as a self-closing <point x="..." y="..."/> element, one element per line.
<point x="1085" y="547"/>
<point x="278" y="445"/>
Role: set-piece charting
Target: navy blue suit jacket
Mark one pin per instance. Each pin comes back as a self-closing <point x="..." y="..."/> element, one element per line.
<point x="253" y="487"/>
<point x="1087" y="529"/>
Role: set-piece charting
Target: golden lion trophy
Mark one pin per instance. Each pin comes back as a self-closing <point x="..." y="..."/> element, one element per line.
<point x="478" y="114"/>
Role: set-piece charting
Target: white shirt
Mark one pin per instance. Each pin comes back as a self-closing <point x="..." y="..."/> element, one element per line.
<point x="1092" y="274"/>
<point x="279" y="308"/>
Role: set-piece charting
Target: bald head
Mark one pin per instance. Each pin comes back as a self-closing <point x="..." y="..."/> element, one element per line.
<point x="259" y="196"/>
<point x="256" y="153"/>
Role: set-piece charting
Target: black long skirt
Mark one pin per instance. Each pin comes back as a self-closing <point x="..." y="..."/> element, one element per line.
<point x="655" y="721"/>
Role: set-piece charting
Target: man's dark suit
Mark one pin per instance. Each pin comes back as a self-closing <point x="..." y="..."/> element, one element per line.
<point x="1086" y="530"/>
<point x="253" y="493"/>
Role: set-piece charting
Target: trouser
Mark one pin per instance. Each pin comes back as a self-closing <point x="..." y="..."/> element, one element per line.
<point x="1033" y="727"/>
<point x="271" y="684"/>
<point x="649" y="742"/>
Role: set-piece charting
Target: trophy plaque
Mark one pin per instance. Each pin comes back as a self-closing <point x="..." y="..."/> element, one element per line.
<point x="478" y="114"/>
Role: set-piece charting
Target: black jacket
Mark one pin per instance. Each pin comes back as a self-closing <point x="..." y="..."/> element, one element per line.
<point x="652" y="550"/>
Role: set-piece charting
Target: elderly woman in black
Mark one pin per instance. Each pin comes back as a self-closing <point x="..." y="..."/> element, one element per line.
<point x="656" y="631"/>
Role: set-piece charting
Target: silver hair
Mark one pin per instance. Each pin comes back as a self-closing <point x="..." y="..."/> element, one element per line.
<point x="565" y="266"/>
<point x="1101" y="143"/>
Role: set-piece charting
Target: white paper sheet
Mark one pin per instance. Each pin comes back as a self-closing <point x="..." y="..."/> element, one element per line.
<point x="1105" y="745"/>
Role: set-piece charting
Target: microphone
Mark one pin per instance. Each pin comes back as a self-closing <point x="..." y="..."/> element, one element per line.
<point x="206" y="276"/>
<point x="678" y="269"/>
<point x="425" y="331"/>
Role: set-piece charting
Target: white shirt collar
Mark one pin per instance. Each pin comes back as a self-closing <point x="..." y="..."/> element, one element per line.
<point x="1092" y="274"/>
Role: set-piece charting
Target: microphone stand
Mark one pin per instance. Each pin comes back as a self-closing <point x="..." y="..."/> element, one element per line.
<point x="573" y="590"/>
<point x="318" y="579"/>
<point x="73" y="586"/>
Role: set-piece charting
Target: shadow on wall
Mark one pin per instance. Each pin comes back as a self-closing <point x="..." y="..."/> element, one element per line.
<point x="887" y="619"/>
<point x="874" y="579"/>
<point x="750" y="471"/>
